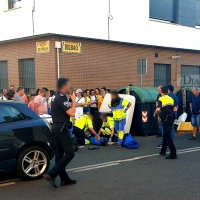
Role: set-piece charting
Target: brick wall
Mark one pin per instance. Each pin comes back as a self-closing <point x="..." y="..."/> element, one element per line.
<point x="45" y="63"/>
<point x="100" y="63"/>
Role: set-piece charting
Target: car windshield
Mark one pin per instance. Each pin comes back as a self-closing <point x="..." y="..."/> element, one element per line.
<point x="10" y="114"/>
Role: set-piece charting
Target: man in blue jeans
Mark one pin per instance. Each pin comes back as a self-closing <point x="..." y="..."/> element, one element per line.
<point x="195" y="110"/>
<point x="176" y="102"/>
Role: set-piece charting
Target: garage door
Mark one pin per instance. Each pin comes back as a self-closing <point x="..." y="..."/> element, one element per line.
<point x="190" y="74"/>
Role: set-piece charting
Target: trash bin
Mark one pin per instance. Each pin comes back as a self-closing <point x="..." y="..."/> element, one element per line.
<point x="189" y="95"/>
<point x="143" y="122"/>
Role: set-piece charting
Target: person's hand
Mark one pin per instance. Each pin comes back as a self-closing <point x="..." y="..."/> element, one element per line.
<point x="97" y="138"/>
<point x="154" y="115"/>
<point x="73" y="97"/>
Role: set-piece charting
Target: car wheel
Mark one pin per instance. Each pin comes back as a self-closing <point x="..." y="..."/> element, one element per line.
<point x="33" y="162"/>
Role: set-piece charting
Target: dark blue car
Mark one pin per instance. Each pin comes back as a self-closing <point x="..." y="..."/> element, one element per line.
<point x="24" y="141"/>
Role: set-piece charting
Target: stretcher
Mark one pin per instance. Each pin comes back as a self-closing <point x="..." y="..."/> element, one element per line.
<point x="105" y="109"/>
<point x="185" y="127"/>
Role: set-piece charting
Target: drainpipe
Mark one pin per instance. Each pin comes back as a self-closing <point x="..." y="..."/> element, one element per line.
<point x="33" y="23"/>
<point x="58" y="46"/>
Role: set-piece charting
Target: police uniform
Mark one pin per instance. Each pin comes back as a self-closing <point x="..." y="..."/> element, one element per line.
<point x="166" y="104"/>
<point x="64" y="152"/>
<point x="81" y="126"/>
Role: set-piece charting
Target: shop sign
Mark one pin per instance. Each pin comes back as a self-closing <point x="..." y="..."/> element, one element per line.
<point x="71" y="47"/>
<point x="43" y="47"/>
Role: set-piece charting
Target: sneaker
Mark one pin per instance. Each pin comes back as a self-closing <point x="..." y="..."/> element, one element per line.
<point x="159" y="146"/>
<point x="119" y="145"/>
<point x="171" y="156"/>
<point x="193" y="138"/>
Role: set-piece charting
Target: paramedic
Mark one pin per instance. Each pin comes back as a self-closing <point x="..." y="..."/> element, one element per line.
<point x="107" y="129"/>
<point x="83" y="128"/>
<point x="119" y="106"/>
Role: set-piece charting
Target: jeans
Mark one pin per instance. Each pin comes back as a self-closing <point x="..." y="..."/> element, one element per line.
<point x="64" y="152"/>
<point x="167" y="138"/>
<point x="195" y="120"/>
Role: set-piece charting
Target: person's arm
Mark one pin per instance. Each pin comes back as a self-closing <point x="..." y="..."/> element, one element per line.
<point x="158" y="108"/>
<point x="94" y="132"/>
<point x="126" y="105"/>
<point x="111" y="124"/>
<point x="91" y="128"/>
<point x="112" y="132"/>
<point x="36" y="104"/>
<point x="191" y="106"/>
<point x="82" y="104"/>
<point x="71" y="111"/>
<point x="36" y="107"/>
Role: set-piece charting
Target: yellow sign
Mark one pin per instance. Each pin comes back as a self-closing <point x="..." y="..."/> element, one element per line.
<point x="71" y="47"/>
<point x="43" y="47"/>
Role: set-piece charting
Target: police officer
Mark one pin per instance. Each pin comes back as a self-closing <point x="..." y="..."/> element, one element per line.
<point x="165" y="110"/>
<point x="61" y="113"/>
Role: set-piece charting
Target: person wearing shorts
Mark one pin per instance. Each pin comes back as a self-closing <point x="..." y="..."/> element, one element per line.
<point x="195" y="110"/>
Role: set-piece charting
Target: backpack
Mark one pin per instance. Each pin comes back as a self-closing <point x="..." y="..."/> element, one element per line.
<point x="130" y="142"/>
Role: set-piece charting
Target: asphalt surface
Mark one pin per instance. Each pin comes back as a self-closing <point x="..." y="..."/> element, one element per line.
<point x="134" y="175"/>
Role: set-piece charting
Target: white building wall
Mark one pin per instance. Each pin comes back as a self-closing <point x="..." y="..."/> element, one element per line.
<point x="88" y="18"/>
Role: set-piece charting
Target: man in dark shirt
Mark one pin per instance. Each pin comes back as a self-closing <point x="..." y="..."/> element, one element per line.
<point x="165" y="110"/>
<point x="61" y="113"/>
<point x="195" y="109"/>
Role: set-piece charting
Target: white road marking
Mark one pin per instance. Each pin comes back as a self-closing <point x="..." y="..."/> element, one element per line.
<point x="7" y="184"/>
<point x="97" y="167"/>
<point x="107" y="164"/>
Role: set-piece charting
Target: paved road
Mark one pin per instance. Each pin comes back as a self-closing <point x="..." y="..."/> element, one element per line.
<point x="111" y="173"/>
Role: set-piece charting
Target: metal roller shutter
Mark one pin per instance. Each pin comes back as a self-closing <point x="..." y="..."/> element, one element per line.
<point x="3" y="75"/>
<point x="27" y="74"/>
<point x="162" y="74"/>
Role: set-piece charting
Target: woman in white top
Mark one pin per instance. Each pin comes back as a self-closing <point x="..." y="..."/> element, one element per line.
<point x="80" y="103"/>
<point x="93" y="106"/>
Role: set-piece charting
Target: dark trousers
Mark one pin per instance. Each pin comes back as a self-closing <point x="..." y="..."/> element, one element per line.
<point x="64" y="152"/>
<point x="167" y="138"/>
<point x="93" y="110"/>
<point x="80" y="135"/>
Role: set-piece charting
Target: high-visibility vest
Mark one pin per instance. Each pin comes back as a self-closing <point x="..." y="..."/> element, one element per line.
<point x="118" y="111"/>
<point x="166" y="101"/>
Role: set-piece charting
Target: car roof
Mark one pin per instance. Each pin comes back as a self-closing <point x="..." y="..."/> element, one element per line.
<point x="11" y="101"/>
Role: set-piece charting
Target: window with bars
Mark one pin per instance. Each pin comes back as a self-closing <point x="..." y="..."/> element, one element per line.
<point x="27" y="74"/>
<point x="3" y="75"/>
<point x="13" y="4"/>
<point x="162" y="74"/>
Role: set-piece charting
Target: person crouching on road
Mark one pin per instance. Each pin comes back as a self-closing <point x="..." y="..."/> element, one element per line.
<point x="165" y="109"/>
<point x="107" y="129"/>
<point x="64" y="151"/>
<point x="119" y="106"/>
<point x="83" y="129"/>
